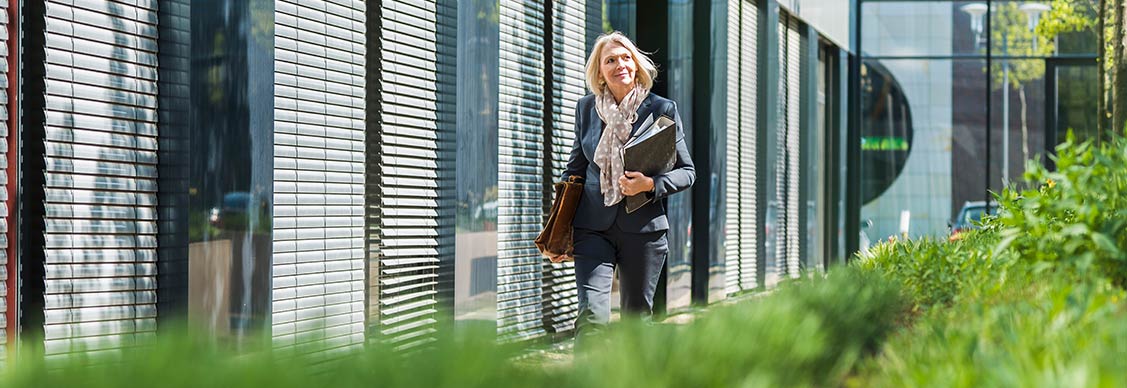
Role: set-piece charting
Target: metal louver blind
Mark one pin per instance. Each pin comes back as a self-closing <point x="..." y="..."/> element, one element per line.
<point x="520" y="170"/>
<point x="100" y="191"/>
<point x="569" y="19"/>
<point x="794" y="87"/>
<point x="733" y="240"/>
<point x="749" y="133"/>
<point x="5" y="201"/>
<point x="318" y="266"/>
<point x="741" y="187"/>
<point x="404" y="186"/>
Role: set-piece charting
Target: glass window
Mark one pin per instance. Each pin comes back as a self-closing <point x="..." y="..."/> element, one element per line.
<point x="1075" y="93"/>
<point x="476" y="201"/>
<point x="678" y="74"/>
<point x="923" y="151"/>
<point x="1017" y="131"/>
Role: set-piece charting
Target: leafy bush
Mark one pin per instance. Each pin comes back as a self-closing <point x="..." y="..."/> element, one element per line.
<point x="1043" y="333"/>
<point x="933" y="272"/>
<point x="1033" y="299"/>
<point x="1073" y="219"/>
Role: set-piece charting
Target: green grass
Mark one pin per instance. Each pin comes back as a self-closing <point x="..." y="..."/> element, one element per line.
<point x="810" y="332"/>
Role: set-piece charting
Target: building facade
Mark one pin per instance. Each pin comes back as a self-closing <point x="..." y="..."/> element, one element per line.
<point x="344" y="172"/>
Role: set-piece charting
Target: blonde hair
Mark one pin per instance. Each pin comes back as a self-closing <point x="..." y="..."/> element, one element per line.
<point x="646" y="70"/>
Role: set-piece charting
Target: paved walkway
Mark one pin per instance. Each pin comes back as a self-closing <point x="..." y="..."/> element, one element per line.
<point x="560" y="354"/>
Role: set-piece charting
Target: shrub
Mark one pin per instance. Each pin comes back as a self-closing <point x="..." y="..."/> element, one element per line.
<point x="1037" y="295"/>
<point x="1047" y="332"/>
<point x="1072" y="220"/>
<point x="934" y="272"/>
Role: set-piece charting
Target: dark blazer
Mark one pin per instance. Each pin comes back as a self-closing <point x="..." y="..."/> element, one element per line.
<point x="591" y="213"/>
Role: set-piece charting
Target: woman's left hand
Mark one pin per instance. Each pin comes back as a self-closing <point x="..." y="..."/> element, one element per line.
<point x="634" y="182"/>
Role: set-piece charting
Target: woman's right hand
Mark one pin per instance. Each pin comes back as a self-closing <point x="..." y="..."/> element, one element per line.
<point x="559" y="259"/>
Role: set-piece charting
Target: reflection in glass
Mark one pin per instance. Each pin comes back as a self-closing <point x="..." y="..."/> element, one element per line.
<point x="621" y="15"/>
<point x="718" y="144"/>
<point x="231" y="167"/>
<point x="1017" y="88"/>
<point x="174" y="156"/>
<point x="816" y="206"/>
<point x="923" y="156"/>
<point x="915" y="28"/>
<point x="678" y="76"/>
<point x="475" y="293"/>
<point x="1076" y="88"/>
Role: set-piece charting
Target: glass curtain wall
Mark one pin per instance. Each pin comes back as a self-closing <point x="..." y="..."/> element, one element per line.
<point x="475" y="279"/>
<point x="678" y="78"/>
<point x="954" y="100"/>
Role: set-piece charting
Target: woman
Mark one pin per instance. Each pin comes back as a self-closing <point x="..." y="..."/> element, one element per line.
<point x="619" y="77"/>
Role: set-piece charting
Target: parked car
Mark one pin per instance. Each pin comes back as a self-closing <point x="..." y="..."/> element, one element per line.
<point x="970" y="217"/>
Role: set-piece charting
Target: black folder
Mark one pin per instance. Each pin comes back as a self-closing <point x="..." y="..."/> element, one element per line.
<point x="652" y="151"/>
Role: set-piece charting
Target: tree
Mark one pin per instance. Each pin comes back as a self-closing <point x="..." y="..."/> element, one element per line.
<point x="1119" y="66"/>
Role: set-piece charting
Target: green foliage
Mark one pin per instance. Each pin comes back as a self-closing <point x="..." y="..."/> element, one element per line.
<point x="1011" y="36"/>
<point x="1051" y="332"/>
<point x="1068" y="16"/>
<point x="470" y="359"/>
<point x="1034" y="299"/>
<point x="807" y="334"/>
<point x="933" y="272"/>
<point x="1073" y="219"/>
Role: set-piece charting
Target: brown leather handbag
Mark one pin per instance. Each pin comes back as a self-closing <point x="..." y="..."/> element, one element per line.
<point x="556" y="238"/>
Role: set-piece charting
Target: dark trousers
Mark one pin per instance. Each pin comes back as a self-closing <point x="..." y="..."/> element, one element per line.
<point x="639" y="258"/>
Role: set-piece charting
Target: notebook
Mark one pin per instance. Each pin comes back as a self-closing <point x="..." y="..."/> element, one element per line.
<point x="652" y="151"/>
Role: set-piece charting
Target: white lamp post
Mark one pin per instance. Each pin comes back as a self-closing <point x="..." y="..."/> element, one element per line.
<point x="1034" y="11"/>
<point x="977" y="11"/>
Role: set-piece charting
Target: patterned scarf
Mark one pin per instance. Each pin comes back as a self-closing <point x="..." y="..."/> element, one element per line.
<point x="619" y="120"/>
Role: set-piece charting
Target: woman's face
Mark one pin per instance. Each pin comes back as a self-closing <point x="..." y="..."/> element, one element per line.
<point x="618" y="67"/>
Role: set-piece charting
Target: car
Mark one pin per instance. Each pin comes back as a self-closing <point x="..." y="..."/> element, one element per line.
<point x="970" y="217"/>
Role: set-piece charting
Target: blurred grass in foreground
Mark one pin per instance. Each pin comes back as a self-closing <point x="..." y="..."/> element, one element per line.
<point x="810" y="332"/>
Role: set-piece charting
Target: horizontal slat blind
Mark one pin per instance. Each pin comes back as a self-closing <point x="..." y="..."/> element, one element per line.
<point x="733" y="239"/>
<point x="5" y="202"/>
<point x="742" y="134"/>
<point x="404" y="187"/>
<point x="793" y="80"/>
<point x="568" y="51"/>
<point x="100" y="191"/>
<point x="318" y="266"/>
<point x="749" y="133"/>
<point x="520" y="170"/>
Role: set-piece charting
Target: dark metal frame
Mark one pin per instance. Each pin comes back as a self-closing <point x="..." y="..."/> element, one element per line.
<point x="1052" y="133"/>
<point x="11" y="314"/>
<point x="32" y="164"/>
<point x="373" y="67"/>
<point x="808" y="98"/>
<point x="703" y="227"/>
